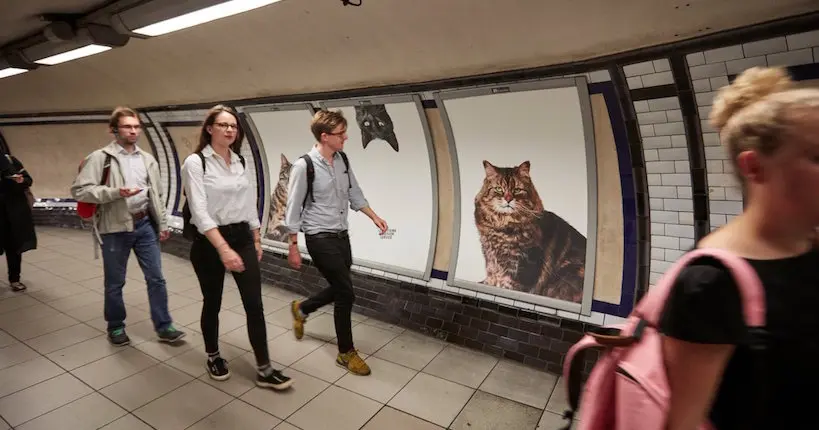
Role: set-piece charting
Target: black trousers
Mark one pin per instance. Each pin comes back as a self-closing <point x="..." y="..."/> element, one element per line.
<point x="332" y="256"/>
<point x="15" y="263"/>
<point x="211" y="274"/>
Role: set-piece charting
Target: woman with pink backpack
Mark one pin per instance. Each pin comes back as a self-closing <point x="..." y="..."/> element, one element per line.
<point x="729" y="337"/>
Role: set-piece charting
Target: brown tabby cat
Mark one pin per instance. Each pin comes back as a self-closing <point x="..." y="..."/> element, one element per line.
<point x="526" y="248"/>
<point x="278" y="204"/>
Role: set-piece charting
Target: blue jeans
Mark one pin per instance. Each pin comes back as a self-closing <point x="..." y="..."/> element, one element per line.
<point x="116" y="248"/>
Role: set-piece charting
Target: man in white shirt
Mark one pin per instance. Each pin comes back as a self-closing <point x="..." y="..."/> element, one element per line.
<point x="123" y="181"/>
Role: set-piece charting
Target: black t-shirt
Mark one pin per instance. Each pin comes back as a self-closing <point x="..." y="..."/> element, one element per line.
<point x="704" y="307"/>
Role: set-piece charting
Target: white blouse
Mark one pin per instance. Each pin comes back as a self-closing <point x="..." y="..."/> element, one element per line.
<point x="223" y="195"/>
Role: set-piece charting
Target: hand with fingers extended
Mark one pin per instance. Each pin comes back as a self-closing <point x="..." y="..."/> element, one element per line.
<point x="128" y="192"/>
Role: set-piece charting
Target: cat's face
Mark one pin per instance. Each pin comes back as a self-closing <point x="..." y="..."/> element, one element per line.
<point x="509" y="191"/>
<point x="284" y="171"/>
<point x="375" y="123"/>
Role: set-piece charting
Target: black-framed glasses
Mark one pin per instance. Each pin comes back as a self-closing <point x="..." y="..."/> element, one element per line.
<point x="226" y="126"/>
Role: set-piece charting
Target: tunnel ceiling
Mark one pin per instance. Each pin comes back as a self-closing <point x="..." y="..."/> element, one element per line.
<point x="306" y="46"/>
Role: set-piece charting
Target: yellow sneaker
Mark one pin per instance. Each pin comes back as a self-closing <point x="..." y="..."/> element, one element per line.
<point x="353" y="363"/>
<point x="298" y="320"/>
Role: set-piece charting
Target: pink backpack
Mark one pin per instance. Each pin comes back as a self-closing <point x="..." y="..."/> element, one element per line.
<point x="628" y="387"/>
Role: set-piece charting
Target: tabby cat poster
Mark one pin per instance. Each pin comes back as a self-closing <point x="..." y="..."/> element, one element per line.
<point x="389" y="154"/>
<point x="524" y="199"/>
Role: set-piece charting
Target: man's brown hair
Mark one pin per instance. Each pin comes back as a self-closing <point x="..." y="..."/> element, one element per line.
<point x="325" y="121"/>
<point x="119" y="112"/>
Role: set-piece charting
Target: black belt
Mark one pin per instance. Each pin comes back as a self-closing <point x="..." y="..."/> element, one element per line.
<point x="329" y="235"/>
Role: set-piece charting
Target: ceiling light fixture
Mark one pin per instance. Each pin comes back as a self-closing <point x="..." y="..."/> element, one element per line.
<point x="73" y="54"/>
<point x="202" y="16"/>
<point x="11" y="71"/>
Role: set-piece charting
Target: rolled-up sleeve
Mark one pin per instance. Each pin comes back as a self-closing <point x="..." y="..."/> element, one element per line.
<point x="357" y="199"/>
<point x="194" y="184"/>
<point x="296" y="191"/>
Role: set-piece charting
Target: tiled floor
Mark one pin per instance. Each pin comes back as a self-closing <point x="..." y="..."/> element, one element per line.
<point x="57" y="369"/>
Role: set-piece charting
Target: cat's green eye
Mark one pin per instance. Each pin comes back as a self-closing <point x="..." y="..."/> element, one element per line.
<point x="498" y="190"/>
<point x="519" y="190"/>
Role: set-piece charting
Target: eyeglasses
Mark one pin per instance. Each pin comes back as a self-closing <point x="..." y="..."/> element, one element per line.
<point x="226" y="126"/>
<point x="131" y="127"/>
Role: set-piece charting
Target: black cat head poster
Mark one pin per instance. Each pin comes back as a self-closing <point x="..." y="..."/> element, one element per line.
<point x="375" y="123"/>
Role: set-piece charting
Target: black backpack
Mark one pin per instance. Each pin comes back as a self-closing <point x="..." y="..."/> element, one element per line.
<point x="311" y="175"/>
<point x="189" y="230"/>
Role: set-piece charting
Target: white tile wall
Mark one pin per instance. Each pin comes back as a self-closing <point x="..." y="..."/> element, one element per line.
<point x="648" y="74"/>
<point x="709" y="71"/>
<point x="669" y="176"/>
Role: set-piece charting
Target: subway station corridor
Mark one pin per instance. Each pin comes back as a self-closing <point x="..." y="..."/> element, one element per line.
<point x="58" y="371"/>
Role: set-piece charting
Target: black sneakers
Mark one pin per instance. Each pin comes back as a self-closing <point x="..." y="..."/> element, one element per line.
<point x="170" y="335"/>
<point x="274" y="380"/>
<point x="217" y="369"/>
<point x="117" y="337"/>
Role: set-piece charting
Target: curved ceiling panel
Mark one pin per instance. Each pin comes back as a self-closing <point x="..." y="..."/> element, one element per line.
<point x="302" y="46"/>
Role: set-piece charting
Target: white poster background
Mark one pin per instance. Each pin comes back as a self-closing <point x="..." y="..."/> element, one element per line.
<point x="544" y="127"/>
<point x="398" y="185"/>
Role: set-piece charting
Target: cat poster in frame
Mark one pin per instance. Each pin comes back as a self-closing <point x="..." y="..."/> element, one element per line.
<point x="386" y="175"/>
<point x="525" y="191"/>
<point x="390" y="149"/>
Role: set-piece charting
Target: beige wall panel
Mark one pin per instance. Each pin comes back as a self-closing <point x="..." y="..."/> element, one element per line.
<point x="608" y="274"/>
<point x="185" y="139"/>
<point x="446" y="193"/>
<point x="52" y="153"/>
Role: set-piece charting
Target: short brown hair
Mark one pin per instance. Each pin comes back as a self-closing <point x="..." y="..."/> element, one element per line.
<point x="325" y="121"/>
<point x="119" y="112"/>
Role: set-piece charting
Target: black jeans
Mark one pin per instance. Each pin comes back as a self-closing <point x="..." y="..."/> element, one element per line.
<point x="332" y="256"/>
<point x="211" y="274"/>
<point x="15" y="262"/>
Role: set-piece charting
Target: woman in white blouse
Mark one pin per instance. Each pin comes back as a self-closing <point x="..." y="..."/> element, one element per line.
<point x="223" y="210"/>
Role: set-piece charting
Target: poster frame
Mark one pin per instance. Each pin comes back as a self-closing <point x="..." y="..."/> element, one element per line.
<point x="580" y="83"/>
<point x="426" y="275"/>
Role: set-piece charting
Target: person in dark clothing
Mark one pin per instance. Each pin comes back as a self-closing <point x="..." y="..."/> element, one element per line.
<point x="16" y="222"/>
<point x="771" y="132"/>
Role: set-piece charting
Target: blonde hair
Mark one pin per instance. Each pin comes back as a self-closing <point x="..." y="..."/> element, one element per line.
<point x="754" y="112"/>
<point x="325" y="121"/>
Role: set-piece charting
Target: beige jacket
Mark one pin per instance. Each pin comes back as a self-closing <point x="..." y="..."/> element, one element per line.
<point x="112" y="210"/>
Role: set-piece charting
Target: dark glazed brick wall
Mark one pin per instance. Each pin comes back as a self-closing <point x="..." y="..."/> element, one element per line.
<point x="540" y="341"/>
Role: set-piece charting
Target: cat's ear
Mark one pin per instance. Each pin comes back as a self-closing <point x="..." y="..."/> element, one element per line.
<point x="524" y="168"/>
<point x="284" y="160"/>
<point x="490" y="169"/>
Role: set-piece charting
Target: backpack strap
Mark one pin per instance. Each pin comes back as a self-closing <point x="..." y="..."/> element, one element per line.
<point x="106" y="169"/>
<point x="751" y="292"/>
<point x="346" y="168"/>
<point x="311" y="176"/>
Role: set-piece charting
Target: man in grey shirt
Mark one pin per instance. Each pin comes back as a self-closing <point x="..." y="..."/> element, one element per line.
<point x="323" y="219"/>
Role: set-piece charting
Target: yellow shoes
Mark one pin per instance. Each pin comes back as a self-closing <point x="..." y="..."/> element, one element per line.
<point x="353" y="363"/>
<point x="298" y="320"/>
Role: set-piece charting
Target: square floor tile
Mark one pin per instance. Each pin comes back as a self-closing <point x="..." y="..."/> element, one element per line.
<point x="432" y="399"/>
<point x="138" y="390"/>
<point x="46" y="396"/>
<point x="85" y="352"/>
<point x="369" y="339"/>
<point x="411" y="350"/>
<point x="26" y="374"/>
<point x="16" y="302"/>
<point x="128" y="422"/>
<point x="63" y="338"/>
<point x="520" y="383"/>
<point x="41" y="326"/>
<point x="282" y="404"/>
<point x="183" y="407"/>
<point x="286" y="349"/>
<point x="385" y="381"/>
<point x="88" y="413"/>
<point x="6" y="339"/>
<point x="389" y="418"/>
<point x="552" y="421"/>
<point x="237" y="415"/>
<point x="114" y="368"/>
<point x="487" y="412"/>
<point x="335" y="408"/>
<point x="15" y="354"/>
<point x="461" y="365"/>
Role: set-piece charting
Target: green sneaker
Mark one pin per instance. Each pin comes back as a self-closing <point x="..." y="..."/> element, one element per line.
<point x="170" y="335"/>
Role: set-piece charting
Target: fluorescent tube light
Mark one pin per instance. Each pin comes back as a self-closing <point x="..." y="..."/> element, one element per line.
<point x="73" y="54"/>
<point x="11" y="71"/>
<point x="202" y="16"/>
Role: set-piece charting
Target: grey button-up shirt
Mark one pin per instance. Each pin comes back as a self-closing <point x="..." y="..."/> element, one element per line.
<point x="331" y="191"/>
